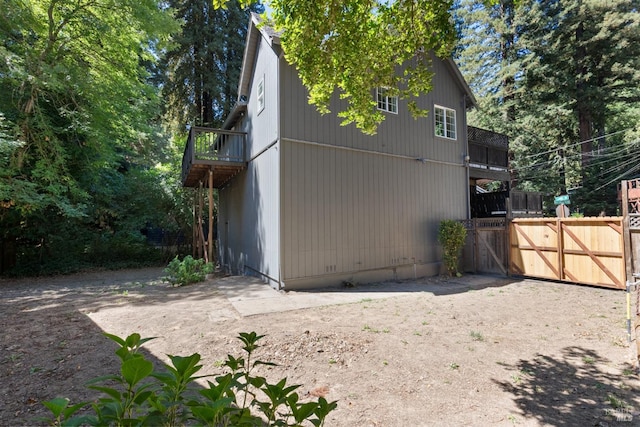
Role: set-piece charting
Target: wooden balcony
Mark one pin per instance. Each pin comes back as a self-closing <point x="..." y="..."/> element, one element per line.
<point x="511" y="203"/>
<point x="218" y="150"/>
<point x="488" y="155"/>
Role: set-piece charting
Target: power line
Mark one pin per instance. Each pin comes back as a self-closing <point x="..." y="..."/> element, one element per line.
<point x="578" y="143"/>
<point x="621" y="161"/>
<point x="633" y="169"/>
<point x="621" y="152"/>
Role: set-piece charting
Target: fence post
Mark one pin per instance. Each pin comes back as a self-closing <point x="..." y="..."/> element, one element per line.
<point x="628" y="261"/>
<point x="507" y="243"/>
<point x="560" y="248"/>
<point x="475" y="245"/>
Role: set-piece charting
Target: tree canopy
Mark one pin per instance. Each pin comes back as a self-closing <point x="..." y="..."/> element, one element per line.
<point x="77" y="111"/>
<point x="203" y="64"/>
<point x="74" y="92"/>
<point x="354" y="46"/>
<point x="561" y="78"/>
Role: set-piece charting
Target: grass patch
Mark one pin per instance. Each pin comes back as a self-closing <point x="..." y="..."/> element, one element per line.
<point x="476" y="336"/>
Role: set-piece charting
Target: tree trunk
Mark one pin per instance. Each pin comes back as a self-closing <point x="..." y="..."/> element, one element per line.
<point x="507" y="55"/>
<point x="585" y="118"/>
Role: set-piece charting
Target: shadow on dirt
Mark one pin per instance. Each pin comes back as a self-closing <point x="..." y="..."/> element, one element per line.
<point x="51" y="350"/>
<point x="143" y="287"/>
<point x="439" y="285"/>
<point x="53" y="353"/>
<point x="576" y="388"/>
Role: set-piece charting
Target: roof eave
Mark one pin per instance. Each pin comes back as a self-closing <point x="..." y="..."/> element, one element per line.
<point x="251" y="47"/>
<point x="236" y="113"/>
<point x="471" y="99"/>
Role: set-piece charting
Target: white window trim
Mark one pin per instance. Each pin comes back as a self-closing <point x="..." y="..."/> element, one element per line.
<point x="455" y="122"/>
<point x="386" y="101"/>
<point x="260" y="95"/>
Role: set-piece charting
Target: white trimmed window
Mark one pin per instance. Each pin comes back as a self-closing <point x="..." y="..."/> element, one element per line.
<point x="445" y="121"/>
<point x="261" y="94"/>
<point x="385" y="102"/>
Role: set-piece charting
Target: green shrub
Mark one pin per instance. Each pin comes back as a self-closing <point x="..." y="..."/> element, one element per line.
<point x="139" y="395"/>
<point x="451" y="236"/>
<point x="187" y="271"/>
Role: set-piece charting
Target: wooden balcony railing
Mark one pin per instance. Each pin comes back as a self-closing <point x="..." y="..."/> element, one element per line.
<point x="218" y="150"/>
<point x="488" y="154"/>
<point x="522" y="204"/>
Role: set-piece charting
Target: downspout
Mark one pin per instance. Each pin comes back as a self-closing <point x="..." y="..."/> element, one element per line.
<point x="280" y="178"/>
<point x="466" y="156"/>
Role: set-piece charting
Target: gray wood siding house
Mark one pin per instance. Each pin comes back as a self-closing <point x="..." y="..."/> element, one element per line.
<point x="319" y="203"/>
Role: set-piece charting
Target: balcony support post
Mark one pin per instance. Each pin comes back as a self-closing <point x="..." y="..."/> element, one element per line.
<point x="210" y="236"/>
<point x="201" y="248"/>
<point x="194" y="234"/>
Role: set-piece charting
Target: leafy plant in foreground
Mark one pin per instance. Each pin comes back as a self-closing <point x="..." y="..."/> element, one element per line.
<point x="141" y="395"/>
<point x="187" y="271"/>
<point x="452" y="235"/>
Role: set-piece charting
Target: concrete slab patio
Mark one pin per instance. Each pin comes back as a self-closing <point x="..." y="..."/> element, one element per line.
<point x="249" y="296"/>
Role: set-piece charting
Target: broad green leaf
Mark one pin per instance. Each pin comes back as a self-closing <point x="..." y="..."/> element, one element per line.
<point x="57" y="405"/>
<point x="136" y="369"/>
<point x="113" y="393"/>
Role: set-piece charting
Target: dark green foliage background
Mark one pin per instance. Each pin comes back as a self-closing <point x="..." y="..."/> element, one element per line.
<point x="92" y="126"/>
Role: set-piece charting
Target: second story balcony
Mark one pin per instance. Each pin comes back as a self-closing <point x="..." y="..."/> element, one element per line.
<point x="488" y="155"/>
<point x="217" y="150"/>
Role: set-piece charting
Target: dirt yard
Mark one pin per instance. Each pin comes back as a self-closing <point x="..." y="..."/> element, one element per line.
<point x="523" y="352"/>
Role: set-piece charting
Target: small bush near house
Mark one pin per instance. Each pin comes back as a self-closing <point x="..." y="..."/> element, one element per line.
<point x="139" y="395"/>
<point x="187" y="271"/>
<point x="451" y="236"/>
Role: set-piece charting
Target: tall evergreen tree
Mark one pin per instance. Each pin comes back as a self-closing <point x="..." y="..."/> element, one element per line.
<point x="203" y="68"/>
<point x="591" y="51"/>
<point x="552" y="74"/>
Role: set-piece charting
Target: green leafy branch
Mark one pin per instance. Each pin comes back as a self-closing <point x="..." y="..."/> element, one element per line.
<point x="140" y="395"/>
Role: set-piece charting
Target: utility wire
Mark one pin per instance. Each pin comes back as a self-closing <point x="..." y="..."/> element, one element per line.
<point x="620" y="153"/>
<point x="621" y="162"/>
<point x="622" y="175"/>
<point x="579" y="143"/>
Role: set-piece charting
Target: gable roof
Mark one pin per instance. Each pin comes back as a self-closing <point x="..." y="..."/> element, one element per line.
<point x="257" y="29"/>
<point x="254" y="32"/>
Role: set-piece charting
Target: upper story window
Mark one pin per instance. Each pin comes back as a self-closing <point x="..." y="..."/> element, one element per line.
<point x="385" y="102"/>
<point x="445" y="119"/>
<point x="261" y="94"/>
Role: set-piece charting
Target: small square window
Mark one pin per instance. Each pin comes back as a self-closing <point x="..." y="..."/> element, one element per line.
<point x="261" y="94"/>
<point x="385" y="102"/>
<point x="445" y="122"/>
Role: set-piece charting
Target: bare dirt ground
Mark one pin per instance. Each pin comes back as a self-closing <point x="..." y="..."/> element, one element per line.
<point x="517" y="352"/>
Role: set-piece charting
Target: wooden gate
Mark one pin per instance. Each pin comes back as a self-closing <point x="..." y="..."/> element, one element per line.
<point x="487" y="246"/>
<point x="580" y="250"/>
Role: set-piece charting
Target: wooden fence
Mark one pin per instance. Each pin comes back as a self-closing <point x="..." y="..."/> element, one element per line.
<point x="580" y="250"/>
<point x="629" y="196"/>
<point x="601" y="251"/>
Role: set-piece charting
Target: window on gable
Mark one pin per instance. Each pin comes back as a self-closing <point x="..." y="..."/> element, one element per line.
<point x="445" y="121"/>
<point x="261" y="94"/>
<point x="385" y="102"/>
